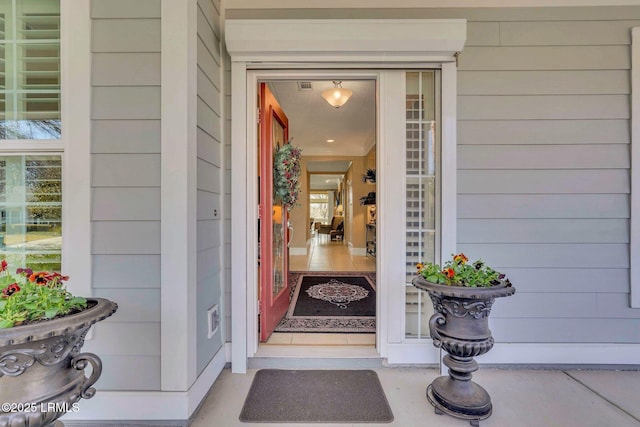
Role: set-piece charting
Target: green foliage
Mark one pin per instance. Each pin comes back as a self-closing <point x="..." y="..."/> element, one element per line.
<point x="459" y="272"/>
<point x="30" y="297"/>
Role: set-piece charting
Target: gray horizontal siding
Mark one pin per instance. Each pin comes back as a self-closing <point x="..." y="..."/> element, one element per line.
<point x="533" y="58"/>
<point x="134" y="305"/>
<point x="125" y="180"/>
<point x="125" y="103"/>
<point x="552" y="280"/>
<point x="564" y="330"/>
<point x="543" y="170"/>
<point x="125" y="35"/>
<point x="126" y="237"/>
<point x="126" y="203"/>
<point x="538" y="230"/>
<point x="209" y="179"/>
<point x="484" y="14"/>
<point x="551" y="255"/>
<point x="543" y="107"/>
<point x="592" y="156"/>
<point x="122" y="369"/>
<point x="126" y="170"/>
<point x="116" y="338"/>
<point x="576" y="181"/>
<point x="134" y="69"/>
<point x="557" y="132"/>
<point x="566" y="305"/>
<point x="543" y="206"/>
<point x="587" y="33"/>
<point x="125" y="136"/>
<point x="125" y="9"/>
<point x="589" y="82"/>
<point x="126" y="271"/>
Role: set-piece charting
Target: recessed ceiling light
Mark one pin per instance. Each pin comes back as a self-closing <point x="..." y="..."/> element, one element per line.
<point x="331" y="140"/>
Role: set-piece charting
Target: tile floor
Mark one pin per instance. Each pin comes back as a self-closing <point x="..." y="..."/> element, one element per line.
<point x="330" y="255"/>
<point x="521" y="398"/>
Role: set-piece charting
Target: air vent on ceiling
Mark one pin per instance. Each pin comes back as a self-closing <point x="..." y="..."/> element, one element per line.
<point x="304" y="86"/>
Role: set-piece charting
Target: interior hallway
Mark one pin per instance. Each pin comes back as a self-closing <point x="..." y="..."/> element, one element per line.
<point x="330" y="255"/>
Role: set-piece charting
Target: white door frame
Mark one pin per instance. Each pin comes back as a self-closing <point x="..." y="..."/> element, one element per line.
<point x="259" y="45"/>
<point x="253" y="78"/>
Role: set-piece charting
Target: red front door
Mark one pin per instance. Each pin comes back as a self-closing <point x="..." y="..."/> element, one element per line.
<point x="274" y="244"/>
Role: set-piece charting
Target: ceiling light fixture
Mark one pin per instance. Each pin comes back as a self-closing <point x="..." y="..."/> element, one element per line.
<point x="337" y="96"/>
<point x="331" y="140"/>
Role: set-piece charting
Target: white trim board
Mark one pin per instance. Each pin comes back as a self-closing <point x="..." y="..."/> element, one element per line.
<point x="634" y="246"/>
<point x="423" y="352"/>
<point x="178" y="241"/>
<point x="298" y="251"/>
<point x="352" y="40"/>
<point x="75" y="57"/>
<point x="397" y="4"/>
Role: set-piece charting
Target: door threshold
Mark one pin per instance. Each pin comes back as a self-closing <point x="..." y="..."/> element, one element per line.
<point x="315" y="357"/>
<point x="321" y="339"/>
<point x="317" y="351"/>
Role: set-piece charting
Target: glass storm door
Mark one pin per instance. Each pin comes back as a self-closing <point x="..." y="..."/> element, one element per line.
<point x="274" y="294"/>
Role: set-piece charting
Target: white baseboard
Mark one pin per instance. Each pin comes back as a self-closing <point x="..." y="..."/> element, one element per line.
<point x="298" y="251"/>
<point x="424" y="352"/>
<point x="151" y="405"/>
<point x="358" y="251"/>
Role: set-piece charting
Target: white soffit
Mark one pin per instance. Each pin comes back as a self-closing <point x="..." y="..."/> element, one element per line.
<point x="352" y="40"/>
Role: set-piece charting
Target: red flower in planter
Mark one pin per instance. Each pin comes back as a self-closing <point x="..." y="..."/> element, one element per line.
<point x="10" y="290"/>
<point x="3" y="265"/>
<point x="460" y="259"/>
<point x="449" y="273"/>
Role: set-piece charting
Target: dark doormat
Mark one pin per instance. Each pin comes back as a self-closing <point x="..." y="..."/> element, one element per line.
<point x="316" y="396"/>
<point x="339" y="302"/>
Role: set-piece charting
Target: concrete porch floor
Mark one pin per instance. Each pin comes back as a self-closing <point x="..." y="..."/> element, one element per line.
<point x="520" y="397"/>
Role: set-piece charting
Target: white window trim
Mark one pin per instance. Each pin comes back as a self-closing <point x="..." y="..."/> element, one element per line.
<point x="336" y="44"/>
<point x="634" y="246"/>
<point x="75" y="64"/>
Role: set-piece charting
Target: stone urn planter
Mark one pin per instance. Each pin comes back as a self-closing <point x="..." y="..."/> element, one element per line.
<point x="460" y="326"/>
<point x="42" y="372"/>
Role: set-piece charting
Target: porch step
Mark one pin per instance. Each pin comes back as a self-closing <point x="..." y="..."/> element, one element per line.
<point x="315" y="357"/>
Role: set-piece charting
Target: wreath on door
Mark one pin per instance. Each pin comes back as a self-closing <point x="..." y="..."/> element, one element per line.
<point x="286" y="174"/>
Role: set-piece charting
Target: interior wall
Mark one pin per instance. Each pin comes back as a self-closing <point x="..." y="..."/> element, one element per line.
<point x="299" y="214"/>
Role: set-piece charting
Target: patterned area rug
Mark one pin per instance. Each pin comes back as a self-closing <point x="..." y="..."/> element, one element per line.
<point x="331" y="302"/>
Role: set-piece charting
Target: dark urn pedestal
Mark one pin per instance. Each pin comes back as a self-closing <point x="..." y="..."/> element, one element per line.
<point x="42" y="372"/>
<point x="460" y="326"/>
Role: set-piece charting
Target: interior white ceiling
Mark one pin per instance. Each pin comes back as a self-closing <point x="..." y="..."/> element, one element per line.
<point x="312" y="121"/>
<point x="324" y="181"/>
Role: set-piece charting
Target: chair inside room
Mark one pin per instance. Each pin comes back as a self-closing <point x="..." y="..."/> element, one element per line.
<point x="335" y="229"/>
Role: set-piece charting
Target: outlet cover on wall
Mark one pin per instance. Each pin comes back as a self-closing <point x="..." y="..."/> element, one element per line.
<point x="213" y="320"/>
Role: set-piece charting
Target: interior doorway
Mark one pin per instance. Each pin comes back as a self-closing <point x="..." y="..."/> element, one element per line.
<point x="332" y="226"/>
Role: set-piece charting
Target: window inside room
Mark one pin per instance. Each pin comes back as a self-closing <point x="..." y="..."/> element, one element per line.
<point x="319" y="206"/>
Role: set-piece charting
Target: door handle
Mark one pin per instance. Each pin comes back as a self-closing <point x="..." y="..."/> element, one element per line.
<point x="290" y="234"/>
